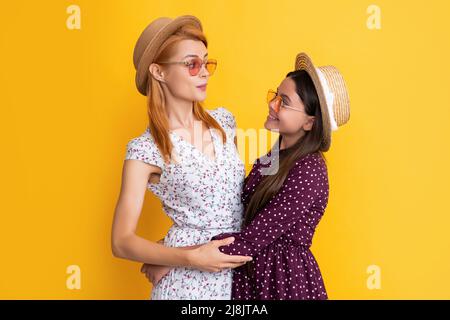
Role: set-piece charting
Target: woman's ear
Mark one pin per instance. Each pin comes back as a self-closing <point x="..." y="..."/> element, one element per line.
<point x="156" y="72"/>
<point x="309" y="123"/>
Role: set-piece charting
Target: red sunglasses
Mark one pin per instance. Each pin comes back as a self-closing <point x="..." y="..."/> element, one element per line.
<point x="195" y="65"/>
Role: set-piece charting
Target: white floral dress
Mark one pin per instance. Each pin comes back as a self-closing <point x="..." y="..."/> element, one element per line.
<point x="202" y="197"/>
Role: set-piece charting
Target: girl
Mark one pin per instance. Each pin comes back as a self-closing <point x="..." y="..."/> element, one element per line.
<point x="195" y="171"/>
<point x="283" y="209"/>
<point x="286" y="192"/>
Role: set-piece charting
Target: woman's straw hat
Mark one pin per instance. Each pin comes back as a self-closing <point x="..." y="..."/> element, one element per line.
<point x="332" y="92"/>
<point x="151" y="39"/>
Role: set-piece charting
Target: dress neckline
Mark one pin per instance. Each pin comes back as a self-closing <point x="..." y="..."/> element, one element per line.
<point x="213" y="139"/>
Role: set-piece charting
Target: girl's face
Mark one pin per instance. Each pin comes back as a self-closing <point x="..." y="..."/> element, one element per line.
<point x="291" y="118"/>
<point x="176" y="77"/>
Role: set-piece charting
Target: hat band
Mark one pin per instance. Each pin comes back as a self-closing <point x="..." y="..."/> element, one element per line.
<point x="329" y="97"/>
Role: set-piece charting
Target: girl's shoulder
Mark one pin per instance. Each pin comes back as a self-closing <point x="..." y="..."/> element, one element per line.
<point x="312" y="164"/>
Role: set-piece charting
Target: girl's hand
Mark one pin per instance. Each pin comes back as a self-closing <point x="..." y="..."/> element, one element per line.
<point x="155" y="273"/>
<point x="208" y="257"/>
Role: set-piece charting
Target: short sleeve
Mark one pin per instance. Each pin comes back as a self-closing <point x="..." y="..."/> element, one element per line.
<point x="226" y="119"/>
<point x="229" y="119"/>
<point x="145" y="149"/>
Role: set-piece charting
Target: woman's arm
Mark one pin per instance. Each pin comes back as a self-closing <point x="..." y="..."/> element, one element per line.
<point x="127" y="244"/>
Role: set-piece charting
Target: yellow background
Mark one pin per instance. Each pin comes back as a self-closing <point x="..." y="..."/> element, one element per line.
<point x="69" y="106"/>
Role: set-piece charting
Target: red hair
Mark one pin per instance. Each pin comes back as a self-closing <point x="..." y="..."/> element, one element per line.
<point x="158" y="122"/>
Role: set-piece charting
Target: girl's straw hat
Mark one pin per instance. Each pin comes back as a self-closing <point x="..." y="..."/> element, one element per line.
<point x="332" y="92"/>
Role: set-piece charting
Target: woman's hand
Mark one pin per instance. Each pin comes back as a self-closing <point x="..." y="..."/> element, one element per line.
<point x="155" y="273"/>
<point x="208" y="257"/>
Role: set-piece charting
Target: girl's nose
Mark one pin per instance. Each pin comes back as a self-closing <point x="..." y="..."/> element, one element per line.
<point x="274" y="106"/>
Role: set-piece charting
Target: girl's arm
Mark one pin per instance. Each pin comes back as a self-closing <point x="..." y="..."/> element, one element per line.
<point x="294" y="202"/>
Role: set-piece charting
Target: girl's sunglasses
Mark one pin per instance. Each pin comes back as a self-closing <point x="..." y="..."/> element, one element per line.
<point x="278" y="102"/>
<point x="195" y="65"/>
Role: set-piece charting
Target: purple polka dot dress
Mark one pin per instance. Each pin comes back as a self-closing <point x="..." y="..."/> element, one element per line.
<point x="280" y="236"/>
<point x="202" y="197"/>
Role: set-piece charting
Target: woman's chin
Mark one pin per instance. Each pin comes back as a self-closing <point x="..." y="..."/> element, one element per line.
<point x="200" y="97"/>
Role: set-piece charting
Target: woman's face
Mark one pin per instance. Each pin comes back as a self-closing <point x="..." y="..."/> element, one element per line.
<point x="290" y="120"/>
<point x="176" y="78"/>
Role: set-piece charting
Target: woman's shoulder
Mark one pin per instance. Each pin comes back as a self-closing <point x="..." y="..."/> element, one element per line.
<point x="224" y="116"/>
<point x="145" y="139"/>
<point x="143" y="147"/>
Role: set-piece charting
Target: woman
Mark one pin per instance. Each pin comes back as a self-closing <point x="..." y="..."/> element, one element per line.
<point x="286" y="192"/>
<point x="195" y="171"/>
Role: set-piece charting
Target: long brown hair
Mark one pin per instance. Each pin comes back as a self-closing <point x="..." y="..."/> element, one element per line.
<point x="156" y="106"/>
<point x="310" y="142"/>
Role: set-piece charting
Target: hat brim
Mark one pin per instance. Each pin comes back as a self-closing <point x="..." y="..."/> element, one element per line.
<point x="304" y="62"/>
<point x="150" y="51"/>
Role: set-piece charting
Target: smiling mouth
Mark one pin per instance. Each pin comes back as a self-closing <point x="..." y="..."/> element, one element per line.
<point x="272" y="117"/>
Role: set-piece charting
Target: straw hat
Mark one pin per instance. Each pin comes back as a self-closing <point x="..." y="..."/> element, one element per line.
<point x="332" y="92"/>
<point x="151" y="39"/>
